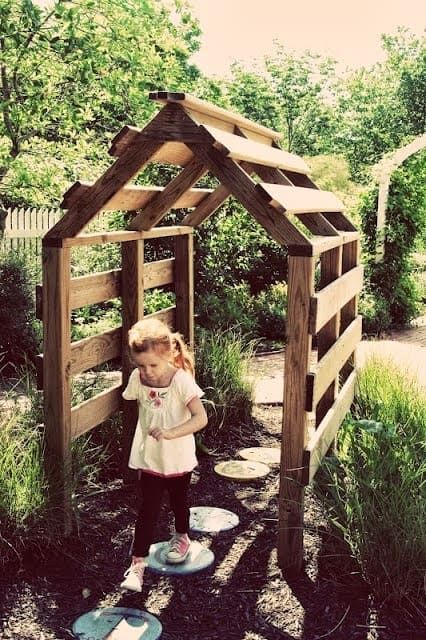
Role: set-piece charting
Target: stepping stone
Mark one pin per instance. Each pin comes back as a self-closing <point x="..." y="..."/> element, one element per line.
<point x="242" y="469"/>
<point x="199" y="558"/>
<point x="117" y="623"/>
<point x="267" y="455"/>
<point x="212" y="519"/>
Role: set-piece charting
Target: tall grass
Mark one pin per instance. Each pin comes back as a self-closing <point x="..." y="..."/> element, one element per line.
<point x="222" y="360"/>
<point x="375" y="485"/>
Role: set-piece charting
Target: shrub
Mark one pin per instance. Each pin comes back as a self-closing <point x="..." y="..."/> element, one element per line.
<point x="18" y="333"/>
<point x="375" y="485"/>
<point x="221" y="369"/>
<point x="233" y="308"/>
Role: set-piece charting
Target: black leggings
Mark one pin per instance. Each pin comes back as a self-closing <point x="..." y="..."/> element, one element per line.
<point x="151" y="497"/>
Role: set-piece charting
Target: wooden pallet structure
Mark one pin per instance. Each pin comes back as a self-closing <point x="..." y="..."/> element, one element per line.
<point x="274" y="187"/>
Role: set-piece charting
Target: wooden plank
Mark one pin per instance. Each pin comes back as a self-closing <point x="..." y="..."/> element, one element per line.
<point x="242" y="186"/>
<point x="132" y="197"/>
<point x="333" y="361"/>
<point x="319" y="246"/>
<point x="294" y="432"/>
<point x="160" y="272"/>
<point x="324" y="435"/>
<point x="317" y="224"/>
<point x="299" y="200"/>
<point x="193" y="104"/>
<point x="157" y="208"/>
<point x="90" y="352"/>
<point x="350" y="259"/>
<point x="96" y="410"/>
<point x="184" y="287"/>
<point x="175" y="153"/>
<point x="95" y="288"/>
<point x="327" y="302"/>
<point x="124" y="139"/>
<point x="331" y="269"/>
<point x="165" y="315"/>
<point x="339" y="221"/>
<point x="56" y="379"/>
<point x="116" y="236"/>
<point x="240" y="148"/>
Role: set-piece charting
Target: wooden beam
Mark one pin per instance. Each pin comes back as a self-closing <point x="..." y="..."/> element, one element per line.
<point x="243" y="187"/>
<point x="95" y="288"/>
<point x="294" y="433"/>
<point x="317" y="224"/>
<point x="298" y="200"/>
<point x="324" y="435"/>
<point x="332" y="362"/>
<point x="95" y="350"/>
<point x="157" y="208"/>
<point x="327" y="302"/>
<point x="96" y="410"/>
<point x="160" y="272"/>
<point x="319" y="246"/>
<point x="340" y="221"/>
<point x="116" y="236"/>
<point x="132" y="197"/>
<point x="198" y="106"/>
<point x="184" y="287"/>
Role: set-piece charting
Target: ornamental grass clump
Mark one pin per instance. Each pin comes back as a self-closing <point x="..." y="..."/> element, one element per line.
<point x="375" y="484"/>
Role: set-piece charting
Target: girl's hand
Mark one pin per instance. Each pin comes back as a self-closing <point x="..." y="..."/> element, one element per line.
<point x="159" y="433"/>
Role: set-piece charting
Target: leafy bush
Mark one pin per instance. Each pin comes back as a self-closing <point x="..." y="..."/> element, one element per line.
<point x="375" y="485"/>
<point x="221" y="370"/>
<point x="18" y="333"/>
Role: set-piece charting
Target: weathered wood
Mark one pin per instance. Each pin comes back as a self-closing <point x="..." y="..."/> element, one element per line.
<point x="95" y="288"/>
<point x="116" y="236"/>
<point x="159" y="273"/>
<point x="132" y="197"/>
<point x="331" y="269"/>
<point x="294" y="434"/>
<point x="350" y="259"/>
<point x="240" y="148"/>
<point x="243" y="187"/>
<point x="56" y="379"/>
<point x="330" y="364"/>
<point x="324" y="435"/>
<point x="157" y="208"/>
<point x="96" y="410"/>
<point x="318" y="246"/>
<point x="124" y="138"/>
<point x="165" y="315"/>
<point x="317" y="224"/>
<point x="95" y="350"/>
<point x="299" y="200"/>
<point x="327" y="302"/>
<point x="198" y="106"/>
<point x="340" y="221"/>
<point x="184" y="287"/>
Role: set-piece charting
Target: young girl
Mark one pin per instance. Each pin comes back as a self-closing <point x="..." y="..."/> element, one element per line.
<point x="163" y="448"/>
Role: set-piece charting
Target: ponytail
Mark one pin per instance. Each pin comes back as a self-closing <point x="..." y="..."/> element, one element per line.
<point x="182" y="357"/>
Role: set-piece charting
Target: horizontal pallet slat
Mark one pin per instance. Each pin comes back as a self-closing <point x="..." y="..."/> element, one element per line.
<point x="165" y="315"/>
<point x="327" y="302"/>
<point x="96" y="410"/>
<point x="299" y="200"/>
<point x="201" y="107"/>
<point x="326" y="431"/>
<point x="133" y="197"/>
<point x="95" y="288"/>
<point x="95" y="350"/>
<point x="239" y="148"/>
<point x="331" y="363"/>
<point x="159" y="273"/>
<point x="86" y="239"/>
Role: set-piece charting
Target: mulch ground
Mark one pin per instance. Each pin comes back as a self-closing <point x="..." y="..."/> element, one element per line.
<point x="242" y="596"/>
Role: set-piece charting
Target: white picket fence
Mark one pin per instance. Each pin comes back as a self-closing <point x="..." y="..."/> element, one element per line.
<point x="24" y="227"/>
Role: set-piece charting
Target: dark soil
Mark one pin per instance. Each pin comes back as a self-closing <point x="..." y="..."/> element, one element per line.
<point x="243" y="596"/>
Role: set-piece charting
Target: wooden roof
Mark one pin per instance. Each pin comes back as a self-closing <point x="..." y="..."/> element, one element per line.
<point x="198" y="137"/>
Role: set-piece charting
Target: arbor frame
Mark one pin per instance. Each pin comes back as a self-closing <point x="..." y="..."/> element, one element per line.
<point x="275" y="188"/>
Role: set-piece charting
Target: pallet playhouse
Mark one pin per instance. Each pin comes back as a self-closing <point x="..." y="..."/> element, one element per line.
<point x="274" y="187"/>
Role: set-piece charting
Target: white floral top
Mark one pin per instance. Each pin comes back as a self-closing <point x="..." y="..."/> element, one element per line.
<point x="164" y="407"/>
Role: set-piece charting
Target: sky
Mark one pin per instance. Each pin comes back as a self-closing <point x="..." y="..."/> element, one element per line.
<point x="347" y="30"/>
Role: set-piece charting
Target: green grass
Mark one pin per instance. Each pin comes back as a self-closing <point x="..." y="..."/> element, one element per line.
<point x="375" y="485"/>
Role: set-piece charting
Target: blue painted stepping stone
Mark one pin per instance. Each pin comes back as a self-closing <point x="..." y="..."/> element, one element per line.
<point x="199" y="558"/>
<point x="117" y="623"/>
<point x="212" y="519"/>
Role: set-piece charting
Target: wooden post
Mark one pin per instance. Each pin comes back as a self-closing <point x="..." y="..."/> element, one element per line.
<point x="331" y="269"/>
<point x="350" y="259"/>
<point x="132" y="288"/>
<point x="56" y="379"/>
<point x="294" y="434"/>
<point x="184" y="287"/>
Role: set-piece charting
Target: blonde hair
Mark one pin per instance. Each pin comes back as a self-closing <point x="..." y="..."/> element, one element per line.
<point x="154" y="335"/>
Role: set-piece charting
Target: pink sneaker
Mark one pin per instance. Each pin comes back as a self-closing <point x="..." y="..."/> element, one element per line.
<point x="179" y="547"/>
<point x="134" y="577"/>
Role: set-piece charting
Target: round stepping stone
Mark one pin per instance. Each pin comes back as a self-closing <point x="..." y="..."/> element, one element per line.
<point x="117" y="623"/>
<point x="242" y="469"/>
<point x="267" y="455"/>
<point x="212" y="519"/>
<point x="199" y="558"/>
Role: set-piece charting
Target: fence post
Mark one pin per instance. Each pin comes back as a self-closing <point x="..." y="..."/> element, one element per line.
<point x="184" y="286"/>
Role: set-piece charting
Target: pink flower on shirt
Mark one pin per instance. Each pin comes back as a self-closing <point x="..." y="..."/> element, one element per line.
<point x="155" y="398"/>
<point x="152" y="394"/>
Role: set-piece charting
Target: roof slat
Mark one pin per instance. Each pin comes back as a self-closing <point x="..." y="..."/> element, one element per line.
<point x="299" y="200"/>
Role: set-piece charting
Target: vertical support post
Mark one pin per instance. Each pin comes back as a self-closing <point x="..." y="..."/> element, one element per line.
<point x="294" y="432"/>
<point x="331" y="269"/>
<point x="57" y="379"/>
<point x="350" y="259"/>
<point x="184" y="286"/>
<point x="132" y="288"/>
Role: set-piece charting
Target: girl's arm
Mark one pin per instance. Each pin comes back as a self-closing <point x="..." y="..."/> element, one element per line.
<point x="197" y="421"/>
